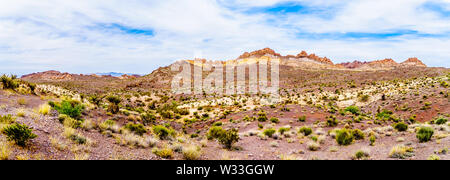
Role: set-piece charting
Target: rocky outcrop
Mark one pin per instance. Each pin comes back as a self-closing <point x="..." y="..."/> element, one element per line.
<point x="413" y="62"/>
<point x="259" y="53"/>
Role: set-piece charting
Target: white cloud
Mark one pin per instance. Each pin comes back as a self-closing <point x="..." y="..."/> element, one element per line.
<point x="63" y="35"/>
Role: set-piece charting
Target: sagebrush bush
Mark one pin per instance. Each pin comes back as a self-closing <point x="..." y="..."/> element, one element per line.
<point x="401" y="126"/>
<point x="19" y="133"/>
<point x="305" y="130"/>
<point x="191" y="152"/>
<point x="262" y="117"/>
<point x="302" y="119"/>
<point x="162" y="132"/>
<point x="274" y="120"/>
<point x="424" y="134"/>
<point x="269" y="132"/>
<point x="358" y="134"/>
<point x="344" y="137"/>
<point x="440" y="120"/>
<point x="353" y="109"/>
<point x="215" y="132"/>
<point x="138" y="129"/>
<point x="282" y="130"/>
<point x="228" y="138"/>
<point x="148" y="118"/>
<point x="9" y="82"/>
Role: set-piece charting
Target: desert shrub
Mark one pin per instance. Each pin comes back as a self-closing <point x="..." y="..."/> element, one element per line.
<point x="306" y="130"/>
<point x="165" y="153"/>
<point x="71" y="108"/>
<point x="344" y="137"/>
<point x="440" y="120"/>
<point x="95" y="99"/>
<point x="313" y="146"/>
<point x="384" y="115"/>
<point x="282" y="130"/>
<point x="7" y="119"/>
<point x="358" y="134"/>
<point x="274" y="120"/>
<point x="5" y="151"/>
<point x="228" y="138"/>
<point x="114" y="102"/>
<point x="191" y="153"/>
<point x="69" y="122"/>
<point x="22" y="101"/>
<point x="360" y="154"/>
<point x="162" y="132"/>
<point x="44" y="109"/>
<point x="332" y="121"/>
<point x="218" y="123"/>
<point x="138" y="129"/>
<point x="262" y="117"/>
<point x="353" y="109"/>
<point x="424" y="134"/>
<point x="269" y="132"/>
<point x="19" y="133"/>
<point x="9" y="82"/>
<point x="401" y="152"/>
<point x="148" y="118"/>
<point x="302" y="119"/>
<point x="433" y="157"/>
<point x="215" y="132"/>
<point x="401" y="126"/>
<point x="372" y="140"/>
<point x="364" y="98"/>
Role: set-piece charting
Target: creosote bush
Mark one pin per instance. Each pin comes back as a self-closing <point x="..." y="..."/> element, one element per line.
<point x="137" y="129"/>
<point x="353" y="109"/>
<point x="162" y="132"/>
<point x="71" y="108"/>
<point x="269" y="132"/>
<point x="305" y="130"/>
<point x="424" y="134"/>
<point x="228" y="138"/>
<point x="401" y="126"/>
<point x="344" y="137"/>
<point x="19" y="133"/>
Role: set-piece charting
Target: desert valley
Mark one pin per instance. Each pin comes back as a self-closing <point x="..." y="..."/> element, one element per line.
<point x="352" y="111"/>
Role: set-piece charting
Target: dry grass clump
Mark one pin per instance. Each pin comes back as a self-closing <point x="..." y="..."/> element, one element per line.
<point x="192" y="152"/>
<point x="165" y="152"/>
<point x="313" y="146"/>
<point x="44" y="109"/>
<point x="401" y="152"/>
<point x="5" y="150"/>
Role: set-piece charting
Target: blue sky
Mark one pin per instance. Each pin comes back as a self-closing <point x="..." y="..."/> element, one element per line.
<point x="137" y="36"/>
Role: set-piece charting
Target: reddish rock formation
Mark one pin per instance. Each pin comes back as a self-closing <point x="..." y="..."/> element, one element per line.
<point x="259" y="53"/>
<point x="413" y="62"/>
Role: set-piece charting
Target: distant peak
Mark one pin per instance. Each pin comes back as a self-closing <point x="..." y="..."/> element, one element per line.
<point x="259" y="53"/>
<point x="414" y="62"/>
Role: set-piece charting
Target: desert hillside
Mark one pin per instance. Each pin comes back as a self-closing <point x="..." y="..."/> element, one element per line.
<point x="358" y="110"/>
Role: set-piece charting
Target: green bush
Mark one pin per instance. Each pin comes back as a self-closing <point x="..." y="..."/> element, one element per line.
<point x="69" y="107"/>
<point x="274" y="120"/>
<point x="262" y="117"/>
<point x="269" y="132"/>
<point x="162" y="132"/>
<point x="353" y="109"/>
<point x="332" y="121"/>
<point x="372" y="140"/>
<point x="138" y="129"/>
<point x="358" y="134"/>
<point x="228" y="138"/>
<point x="424" y="134"/>
<point x="440" y="120"/>
<point x="218" y="123"/>
<point x="19" y="133"/>
<point x="302" y="119"/>
<point x="401" y="126"/>
<point x="344" y="137"/>
<point x="385" y="115"/>
<point x="305" y="130"/>
<point x="9" y="82"/>
<point x="215" y="132"/>
<point x="282" y="130"/>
